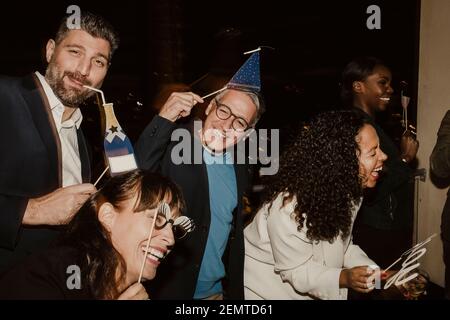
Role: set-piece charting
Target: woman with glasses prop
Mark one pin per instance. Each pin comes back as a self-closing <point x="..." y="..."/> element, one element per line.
<point x="100" y="252"/>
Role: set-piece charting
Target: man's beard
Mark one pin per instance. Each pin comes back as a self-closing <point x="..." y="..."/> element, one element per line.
<point x="70" y="97"/>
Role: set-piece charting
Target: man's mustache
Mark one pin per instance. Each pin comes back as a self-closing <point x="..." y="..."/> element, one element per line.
<point x="78" y="77"/>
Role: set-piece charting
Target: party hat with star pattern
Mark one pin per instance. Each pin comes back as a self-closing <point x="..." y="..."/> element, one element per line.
<point x="247" y="78"/>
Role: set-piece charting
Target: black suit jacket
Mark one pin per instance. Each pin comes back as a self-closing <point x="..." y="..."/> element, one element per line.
<point x="178" y="273"/>
<point x="30" y="164"/>
<point x="46" y="275"/>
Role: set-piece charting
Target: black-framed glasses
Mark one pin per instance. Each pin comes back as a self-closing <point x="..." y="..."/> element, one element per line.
<point x="223" y="112"/>
<point x="181" y="226"/>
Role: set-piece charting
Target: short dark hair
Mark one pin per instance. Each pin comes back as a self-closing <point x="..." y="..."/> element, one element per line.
<point x="93" y="24"/>
<point x="357" y="70"/>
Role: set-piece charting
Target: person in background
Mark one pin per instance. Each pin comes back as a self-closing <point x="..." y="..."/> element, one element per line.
<point x="440" y="168"/>
<point x="385" y="218"/>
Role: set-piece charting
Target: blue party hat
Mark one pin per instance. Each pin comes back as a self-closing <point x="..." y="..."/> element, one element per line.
<point x="247" y="77"/>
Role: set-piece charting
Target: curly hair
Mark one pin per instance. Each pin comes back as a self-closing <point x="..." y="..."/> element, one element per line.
<point x="320" y="170"/>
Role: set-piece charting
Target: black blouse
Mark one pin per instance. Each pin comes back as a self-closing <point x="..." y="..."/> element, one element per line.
<point x="52" y="274"/>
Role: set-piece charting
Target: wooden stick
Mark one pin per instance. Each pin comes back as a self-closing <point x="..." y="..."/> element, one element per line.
<point x="251" y="51"/>
<point x="97" y="90"/>
<point x="204" y="97"/>
<point x="199" y="79"/>
<point x="212" y="93"/>
<point x="148" y="245"/>
<point x="396" y="261"/>
<point x="101" y="176"/>
<point x="406" y="118"/>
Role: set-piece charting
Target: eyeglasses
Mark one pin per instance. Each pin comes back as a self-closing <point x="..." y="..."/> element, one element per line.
<point x="223" y="112"/>
<point x="181" y="226"/>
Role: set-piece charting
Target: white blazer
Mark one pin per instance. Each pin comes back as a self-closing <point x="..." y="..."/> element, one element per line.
<point x="282" y="263"/>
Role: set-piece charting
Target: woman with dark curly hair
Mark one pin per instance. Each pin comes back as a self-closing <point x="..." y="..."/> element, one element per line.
<point x="101" y="252"/>
<point x="299" y="244"/>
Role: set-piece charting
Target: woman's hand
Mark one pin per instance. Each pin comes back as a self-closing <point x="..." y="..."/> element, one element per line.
<point x="134" y="292"/>
<point x="360" y="279"/>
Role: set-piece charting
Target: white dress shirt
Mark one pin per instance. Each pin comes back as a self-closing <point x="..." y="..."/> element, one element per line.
<point x="67" y="132"/>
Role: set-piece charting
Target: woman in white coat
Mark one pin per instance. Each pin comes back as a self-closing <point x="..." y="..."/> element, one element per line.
<point x="298" y="245"/>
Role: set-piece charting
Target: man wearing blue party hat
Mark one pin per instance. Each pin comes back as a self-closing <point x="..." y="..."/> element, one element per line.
<point x="208" y="263"/>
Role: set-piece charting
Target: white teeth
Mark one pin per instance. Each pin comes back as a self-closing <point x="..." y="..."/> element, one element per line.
<point x="151" y="257"/>
<point x="157" y="253"/>
<point x="385" y="99"/>
<point x="154" y="253"/>
<point x="378" y="169"/>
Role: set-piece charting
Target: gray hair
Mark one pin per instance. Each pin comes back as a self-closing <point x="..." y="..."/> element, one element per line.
<point x="96" y="26"/>
<point x="257" y="101"/>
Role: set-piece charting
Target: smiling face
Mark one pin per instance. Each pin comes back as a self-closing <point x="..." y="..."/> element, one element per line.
<point x="79" y="59"/>
<point x="370" y="156"/>
<point x="218" y="134"/>
<point x="374" y="93"/>
<point x="129" y="234"/>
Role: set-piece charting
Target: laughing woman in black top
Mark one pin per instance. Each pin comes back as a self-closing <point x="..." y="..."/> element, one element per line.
<point x="383" y="228"/>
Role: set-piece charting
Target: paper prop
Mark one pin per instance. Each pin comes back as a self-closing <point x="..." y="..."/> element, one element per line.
<point x="118" y="148"/>
<point x="181" y="226"/>
<point x="248" y="76"/>
<point x="405" y="102"/>
<point x="412" y="255"/>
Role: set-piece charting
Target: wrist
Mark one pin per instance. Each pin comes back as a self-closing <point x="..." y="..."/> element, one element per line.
<point x="167" y="117"/>
<point x="30" y="216"/>
<point x="343" y="276"/>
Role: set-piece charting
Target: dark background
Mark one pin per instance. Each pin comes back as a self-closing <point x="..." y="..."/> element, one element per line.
<point x="171" y="45"/>
<point x="168" y="44"/>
